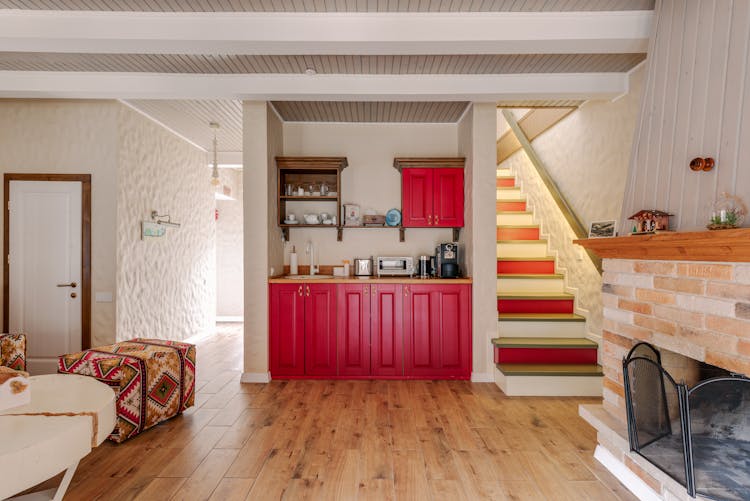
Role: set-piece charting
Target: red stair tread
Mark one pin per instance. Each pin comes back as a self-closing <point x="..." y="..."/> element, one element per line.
<point x="526" y="266"/>
<point x="511" y="206"/>
<point x="518" y="233"/>
<point x="545" y="355"/>
<point x="535" y="305"/>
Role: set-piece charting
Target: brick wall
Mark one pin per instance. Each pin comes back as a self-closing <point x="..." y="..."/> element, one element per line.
<point x="699" y="310"/>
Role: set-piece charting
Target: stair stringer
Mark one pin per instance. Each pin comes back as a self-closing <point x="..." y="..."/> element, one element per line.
<point x="581" y="277"/>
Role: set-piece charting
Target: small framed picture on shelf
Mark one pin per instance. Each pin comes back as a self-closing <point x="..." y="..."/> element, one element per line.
<point x="602" y="229"/>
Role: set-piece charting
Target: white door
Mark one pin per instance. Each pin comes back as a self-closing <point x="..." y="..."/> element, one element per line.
<point x="45" y="269"/>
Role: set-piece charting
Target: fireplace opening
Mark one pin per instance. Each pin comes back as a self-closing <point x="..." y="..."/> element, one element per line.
<point x="698" y="430"/>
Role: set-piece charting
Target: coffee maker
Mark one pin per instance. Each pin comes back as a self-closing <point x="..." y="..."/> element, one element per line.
<point x="446" y="260"/>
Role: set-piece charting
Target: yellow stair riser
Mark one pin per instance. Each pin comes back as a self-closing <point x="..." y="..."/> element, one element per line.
<point x="550" y="386"/>
<point x="505" y="195"/>
<point x="530" y="328"/>
<point x="532" y="248"/>
<point x="512" y="285"/>
<point x="521" y="219"/>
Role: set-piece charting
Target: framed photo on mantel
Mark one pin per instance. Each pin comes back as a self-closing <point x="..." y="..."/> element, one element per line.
<point x="602" y="229"/>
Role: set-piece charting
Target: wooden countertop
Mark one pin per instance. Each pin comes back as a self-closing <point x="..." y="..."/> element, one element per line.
<point x="370" y="280"/>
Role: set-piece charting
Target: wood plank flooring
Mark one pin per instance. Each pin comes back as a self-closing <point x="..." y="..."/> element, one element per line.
<point x="379" y="440"/>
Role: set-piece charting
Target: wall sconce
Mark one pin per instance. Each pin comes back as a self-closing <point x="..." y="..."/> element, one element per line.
<point x="163" y="220"/>
<point x="702" y="164"/>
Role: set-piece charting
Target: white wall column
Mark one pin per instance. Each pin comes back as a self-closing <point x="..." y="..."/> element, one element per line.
<point x="255" y="196"/>
<point x="476" y="141"/>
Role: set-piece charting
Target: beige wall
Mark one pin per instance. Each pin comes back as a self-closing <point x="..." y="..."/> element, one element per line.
<point x="229" y="286"/>
<point x="166" y="286"/>
<point x="696" y="104"/>
<point x="476" y="141"/>
<point x="370" y="181"/>
<point x="72" y="137"/>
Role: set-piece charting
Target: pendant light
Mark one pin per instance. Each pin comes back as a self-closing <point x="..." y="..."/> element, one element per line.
<point x="215" y="171"/>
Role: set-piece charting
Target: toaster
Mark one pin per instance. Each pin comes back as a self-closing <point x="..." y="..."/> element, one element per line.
<point x="362" y="267"/>
<point x="395" y="266"/>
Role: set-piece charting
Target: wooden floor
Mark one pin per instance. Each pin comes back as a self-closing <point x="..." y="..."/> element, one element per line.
<point x="379" y="440"/>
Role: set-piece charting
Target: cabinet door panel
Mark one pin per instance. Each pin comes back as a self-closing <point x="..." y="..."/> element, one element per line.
<point x="416" y="197"/>
<point x="353" y="330"/>
<point x="449" y="198"/>
<point x="287" y="329"/>
<point x="387" y="332"/>
<point x="420" y="338"/>
<point x="454" y="320"/>
<point x="320" y="329"/>
<point x="437" y="331"/>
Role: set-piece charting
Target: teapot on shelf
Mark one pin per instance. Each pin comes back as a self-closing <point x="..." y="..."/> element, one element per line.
<point x="312" y="219"/>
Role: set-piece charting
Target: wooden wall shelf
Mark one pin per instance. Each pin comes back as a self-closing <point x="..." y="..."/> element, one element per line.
<point x="718" y="246"/>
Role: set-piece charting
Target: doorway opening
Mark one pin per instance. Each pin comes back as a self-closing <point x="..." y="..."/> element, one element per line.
<point x="47" y="264"/>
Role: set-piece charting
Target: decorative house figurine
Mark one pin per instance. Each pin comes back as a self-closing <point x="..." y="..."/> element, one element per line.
<point x="650" y="221"/>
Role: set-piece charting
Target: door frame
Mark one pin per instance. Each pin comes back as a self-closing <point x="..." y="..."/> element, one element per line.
<point x="85" y="180"/>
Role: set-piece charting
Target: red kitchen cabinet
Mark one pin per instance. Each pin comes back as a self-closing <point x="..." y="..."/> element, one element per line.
<point x="370" y="342"/>
<point x="437" y="331"/>
<point x="432" y="192"/>
<point x="353" y="330"/>
<point x="386" y="315"/>
<point x="320" y="329"/>
<point x="448" y="198"/>
<point x="416" y="197"/>
<point x="287" y="329"/>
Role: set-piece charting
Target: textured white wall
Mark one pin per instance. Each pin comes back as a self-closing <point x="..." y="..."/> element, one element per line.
<point x="166" y="287"/>
<point x="370" y="181"/>
<point x="72" y="137"/>
<point x="582" y="278"/>
<point x="476" y="141"/>
<point x="587" y="155"/>
<point x="588" y="152"/>
<point x="229" y="278"/>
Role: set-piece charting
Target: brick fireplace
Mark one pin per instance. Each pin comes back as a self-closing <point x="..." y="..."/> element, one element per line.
<point x="688" y="294"/>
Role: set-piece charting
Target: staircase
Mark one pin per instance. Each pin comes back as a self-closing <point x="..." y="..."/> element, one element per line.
<point x="541" y="349"/>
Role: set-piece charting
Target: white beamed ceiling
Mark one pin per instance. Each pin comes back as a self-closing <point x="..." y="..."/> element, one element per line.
<point x="331" y="5"/>
<point x="187" y="63"/>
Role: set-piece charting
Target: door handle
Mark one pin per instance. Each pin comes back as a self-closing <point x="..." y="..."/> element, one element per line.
<point x="71" y="284"/>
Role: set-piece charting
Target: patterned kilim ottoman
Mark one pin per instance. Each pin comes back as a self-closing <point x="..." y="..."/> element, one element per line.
<point x="154" y="380"/>
<point x="13" y="351"/>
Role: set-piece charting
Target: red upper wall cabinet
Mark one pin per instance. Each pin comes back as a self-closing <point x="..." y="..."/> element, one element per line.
<point x="432" y="192"/>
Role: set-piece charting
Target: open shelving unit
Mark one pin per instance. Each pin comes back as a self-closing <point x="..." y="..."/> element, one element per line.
<point x="310" y="170"/>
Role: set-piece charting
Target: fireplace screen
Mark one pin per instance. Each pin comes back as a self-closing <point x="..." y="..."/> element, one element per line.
<point x="698" y="436"/>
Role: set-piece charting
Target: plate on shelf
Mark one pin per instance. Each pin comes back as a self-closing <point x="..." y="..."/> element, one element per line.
<point x="393" y="217"/>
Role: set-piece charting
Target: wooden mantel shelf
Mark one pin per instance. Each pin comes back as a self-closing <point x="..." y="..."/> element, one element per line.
<point x="719" y="245"/>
